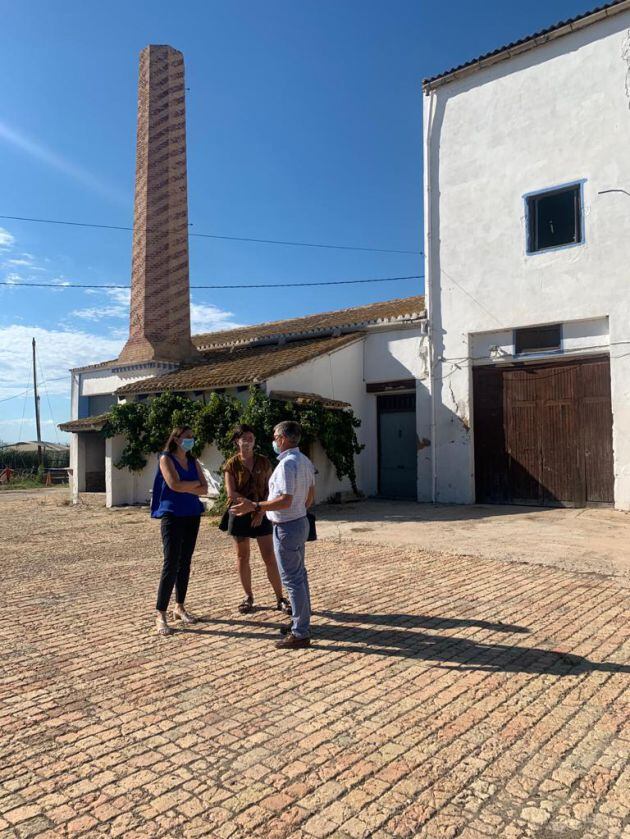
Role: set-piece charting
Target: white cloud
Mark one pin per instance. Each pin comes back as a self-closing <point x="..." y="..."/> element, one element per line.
<point x="25" y="420"/>
<point x="208" y="318"/>
<point x="100" y="312"/>
<point x="57" y="350"/>
<point x="6" y="239"/>
<point x="56" y="161"/>
<point x="119" y="308"/>
<point x="204" y="317"/>
<point x="20" y="261"/>
<point x="22" y="430"/>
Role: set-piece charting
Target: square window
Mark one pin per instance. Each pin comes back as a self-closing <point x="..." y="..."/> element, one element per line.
<point x="537" y="339"/>
<point x="554" y="218"/>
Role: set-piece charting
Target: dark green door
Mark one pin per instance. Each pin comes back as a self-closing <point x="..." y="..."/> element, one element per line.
<point x="397" y="449"/>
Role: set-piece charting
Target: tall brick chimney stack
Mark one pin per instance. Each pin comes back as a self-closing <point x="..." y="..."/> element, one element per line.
<point x="159" y="325"/>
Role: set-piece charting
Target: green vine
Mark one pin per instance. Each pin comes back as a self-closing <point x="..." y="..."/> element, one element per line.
<point x="146" y="426"/>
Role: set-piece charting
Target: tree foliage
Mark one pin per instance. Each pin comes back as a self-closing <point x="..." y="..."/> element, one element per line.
<point x="147" y="425"/>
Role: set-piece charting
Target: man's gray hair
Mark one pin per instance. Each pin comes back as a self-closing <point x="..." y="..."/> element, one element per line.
<point x="289" y="429"/>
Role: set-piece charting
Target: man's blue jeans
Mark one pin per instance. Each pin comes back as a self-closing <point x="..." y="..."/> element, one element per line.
<point x="289" y="540"/>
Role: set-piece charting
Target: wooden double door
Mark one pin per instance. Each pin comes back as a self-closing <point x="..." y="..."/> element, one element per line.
<point x="543" y="433"/>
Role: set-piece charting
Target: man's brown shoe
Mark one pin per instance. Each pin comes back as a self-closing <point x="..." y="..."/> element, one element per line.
<point x="290" y="642"/>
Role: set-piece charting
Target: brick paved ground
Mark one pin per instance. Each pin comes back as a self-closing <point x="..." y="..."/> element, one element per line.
<point x="443" y="696"/>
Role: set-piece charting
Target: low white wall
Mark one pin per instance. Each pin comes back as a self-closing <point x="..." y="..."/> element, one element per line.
<point x="77" y="465"/>
<point x="336" y="375"/>
<point x="124" y="487"/>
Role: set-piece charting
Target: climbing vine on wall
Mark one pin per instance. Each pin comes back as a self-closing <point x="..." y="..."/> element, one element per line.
<point x="146" y="426"/>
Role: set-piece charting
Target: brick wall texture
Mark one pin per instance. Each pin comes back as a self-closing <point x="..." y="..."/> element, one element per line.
<point x="159" y="327"/>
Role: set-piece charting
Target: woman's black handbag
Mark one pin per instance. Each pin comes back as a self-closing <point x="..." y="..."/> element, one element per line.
<point x="241" y="525"/>
<point x="236" y="525"/>
<point x="312" y="529"/>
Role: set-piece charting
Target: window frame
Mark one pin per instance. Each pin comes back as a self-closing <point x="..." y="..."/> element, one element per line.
<point x="538" y="352"/>
<point x="541" y="193"/>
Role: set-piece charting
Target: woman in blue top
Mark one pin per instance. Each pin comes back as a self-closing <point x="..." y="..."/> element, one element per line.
<point x="179" y="482"/>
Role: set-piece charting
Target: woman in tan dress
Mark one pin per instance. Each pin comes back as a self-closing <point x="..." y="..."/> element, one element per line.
<point x="247" y="476"/>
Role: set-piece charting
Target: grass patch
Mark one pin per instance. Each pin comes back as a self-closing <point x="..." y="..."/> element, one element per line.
<point x="26" y="483"/>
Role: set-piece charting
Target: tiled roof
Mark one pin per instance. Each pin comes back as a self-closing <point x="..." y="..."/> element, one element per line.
<point x="401" y="309"/>
<point x="95" y="423"/>
<point x="97" y="366"/>
<point x="307" y="398"/>
<point x="239" y="365"/>
<point x="557" y="30"/>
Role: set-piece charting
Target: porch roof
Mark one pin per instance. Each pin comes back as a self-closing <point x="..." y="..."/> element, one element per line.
<point x="307" y="398"/>
<point x="96" y="423"/>
<point x="245" y="365"/>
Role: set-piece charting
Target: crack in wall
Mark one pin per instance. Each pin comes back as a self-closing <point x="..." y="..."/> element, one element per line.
<point x="625" y="56"/>
<point x="460" y="410"/>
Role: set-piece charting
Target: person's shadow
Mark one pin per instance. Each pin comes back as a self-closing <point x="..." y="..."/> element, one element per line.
<point x="402" y="639"/>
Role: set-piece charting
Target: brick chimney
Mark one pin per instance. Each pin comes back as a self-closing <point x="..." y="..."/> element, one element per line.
<point x="159" y="324"/>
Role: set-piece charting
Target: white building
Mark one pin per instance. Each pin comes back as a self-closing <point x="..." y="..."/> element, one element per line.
<point x="527" y="242"/>
<point x="373" y="359"/>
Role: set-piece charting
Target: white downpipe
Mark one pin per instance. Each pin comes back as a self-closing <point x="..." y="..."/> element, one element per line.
<point x="429" y="289"/>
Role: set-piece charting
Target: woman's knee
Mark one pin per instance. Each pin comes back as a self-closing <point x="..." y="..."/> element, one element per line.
<point x="269" y="558"/>
<point x="242" y="554"/>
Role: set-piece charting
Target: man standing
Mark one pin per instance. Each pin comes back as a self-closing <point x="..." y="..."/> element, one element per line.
<point x="291" y="492"/>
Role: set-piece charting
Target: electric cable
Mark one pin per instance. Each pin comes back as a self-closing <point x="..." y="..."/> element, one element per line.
<point x="41" y="371"/>
<point x="216" y="236"/>
<point x="230" y="285"/>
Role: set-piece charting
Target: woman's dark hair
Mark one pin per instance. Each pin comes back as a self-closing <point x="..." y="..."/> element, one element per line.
<point x="171" y="445"/>
<point x="239" y="430"/>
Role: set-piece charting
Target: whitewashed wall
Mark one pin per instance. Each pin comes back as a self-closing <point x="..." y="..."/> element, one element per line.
<point x="337" y="375"/>
<point x="381" y="356"/>
<point x="389" y="356"/>
<point x="554" y="115"/>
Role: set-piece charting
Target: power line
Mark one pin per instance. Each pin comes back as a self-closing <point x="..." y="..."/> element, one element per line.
<point x="217" y="236"/>
<point x="231" y="285"/>
<point x="26" y="392"/>
<point x="52" y="416"/>
<point x="15" y="396"/>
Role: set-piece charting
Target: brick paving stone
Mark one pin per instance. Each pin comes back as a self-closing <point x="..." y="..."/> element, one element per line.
<point x="443" y="696"/>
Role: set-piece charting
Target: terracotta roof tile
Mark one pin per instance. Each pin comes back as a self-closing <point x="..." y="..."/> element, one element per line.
<point x="389" y="310"/>
<point x="528" y="42"/>
<point x="95" y="423"/>
<point x="230" y="366"/>
<point x="99" y="365"/>
<point x="307" y="399"/>
<point x="400" y="309"/>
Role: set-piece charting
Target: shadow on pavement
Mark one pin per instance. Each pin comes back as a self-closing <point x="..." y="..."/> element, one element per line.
<point x="382" y="510"/>
<point x="462" y="653"/>
<point x="424" y="621"/>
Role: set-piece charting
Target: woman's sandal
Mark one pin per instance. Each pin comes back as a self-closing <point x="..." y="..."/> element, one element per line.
<point x="163" y="628"/>
<point x="184" y="616"/>
<point x="247" y="606"/>
<point x="284" y="605"/>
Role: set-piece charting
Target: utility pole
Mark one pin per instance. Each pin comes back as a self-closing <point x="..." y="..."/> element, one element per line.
<point x="39" y="430"/>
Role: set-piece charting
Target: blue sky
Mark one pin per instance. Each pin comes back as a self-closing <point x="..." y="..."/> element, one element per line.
<point x="304" y="123"/>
